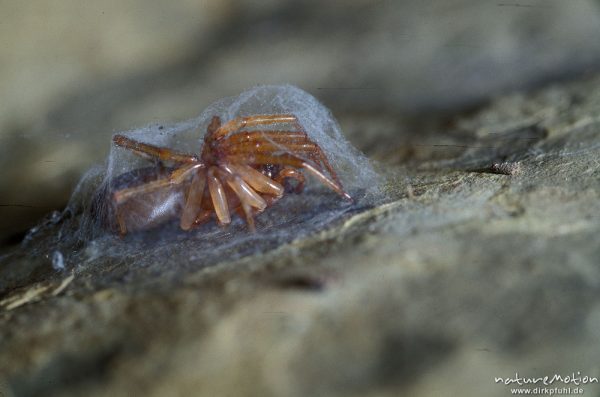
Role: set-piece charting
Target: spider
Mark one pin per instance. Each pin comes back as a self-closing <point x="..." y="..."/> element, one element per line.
<point x="239" y="169"/>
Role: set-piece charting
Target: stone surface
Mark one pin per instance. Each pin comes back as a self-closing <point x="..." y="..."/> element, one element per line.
<point x="461" y="274"/>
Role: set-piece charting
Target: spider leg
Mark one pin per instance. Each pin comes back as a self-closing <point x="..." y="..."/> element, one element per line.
<point x="214" y="125"/>
<point x="192" y="208"/>
<point x="293" y="141"/>
<point x="251" y="121"/>
<point x="153" y="152"/>
<point x="272" y="147"/>
<point x="249" y="216"/>
<point x="272" y="199"/>
<point x="207" y="209"/>
<point x="248" y="197"/>
<point x="257" y="180"/>
<point x="176" y="177"/>
<point x="276" y="136"/>
<point x="219" y="198"/>
<point x="202" y="217"/>
<point x="120" y="222"/>
<point x="248" y="212"/>
<point x="310" y="149"/>
<point x="292" y="173"/>
<point x="293" y="161"/>
<point x="244" y="192"/>
<point x="319" y="155"/>
<point x="326" y="181"/>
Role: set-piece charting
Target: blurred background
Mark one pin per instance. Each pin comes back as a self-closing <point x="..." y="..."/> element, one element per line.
<point x="73" y="73"/>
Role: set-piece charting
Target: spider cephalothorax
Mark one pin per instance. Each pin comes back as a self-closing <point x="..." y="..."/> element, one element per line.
<point x="244" y="166"/>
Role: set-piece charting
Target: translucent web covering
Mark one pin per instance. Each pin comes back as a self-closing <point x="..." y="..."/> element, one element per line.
<point x="292" y="216"/>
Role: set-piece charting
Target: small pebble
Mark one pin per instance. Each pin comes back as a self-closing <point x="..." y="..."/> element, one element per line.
<point x="506" y="168"/>
<point x="58" y="261"/>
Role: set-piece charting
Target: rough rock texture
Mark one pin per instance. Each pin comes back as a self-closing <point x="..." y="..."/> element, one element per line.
<point x="482" y="261"/>
<point x="73" y="73"/>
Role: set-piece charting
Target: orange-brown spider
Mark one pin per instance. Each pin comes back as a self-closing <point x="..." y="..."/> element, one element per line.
<point x="239" y="168"/>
